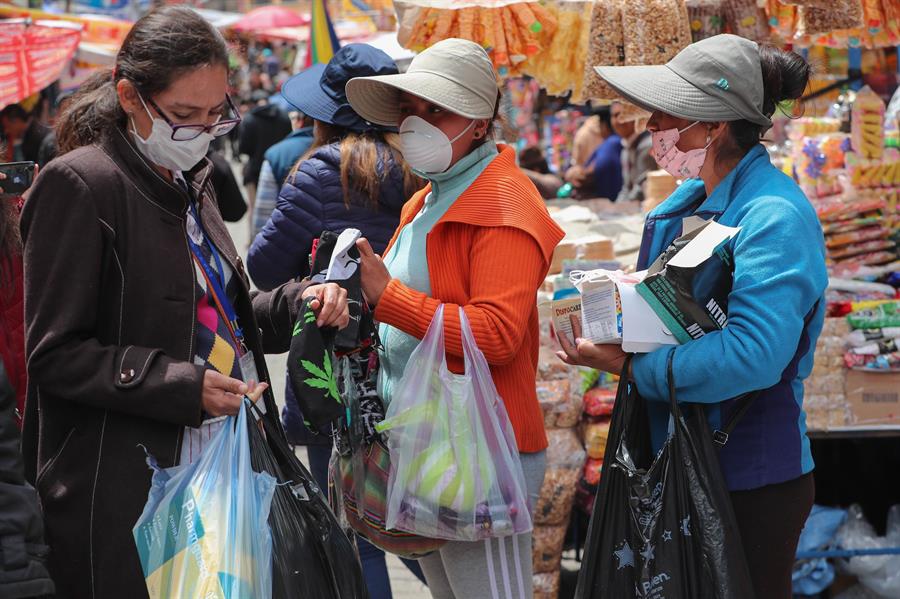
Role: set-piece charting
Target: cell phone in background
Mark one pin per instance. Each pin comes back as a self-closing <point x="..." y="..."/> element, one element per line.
<point x="19" y="177"/>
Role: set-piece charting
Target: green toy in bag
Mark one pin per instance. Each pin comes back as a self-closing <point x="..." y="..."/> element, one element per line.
<point x="455" y="470"/>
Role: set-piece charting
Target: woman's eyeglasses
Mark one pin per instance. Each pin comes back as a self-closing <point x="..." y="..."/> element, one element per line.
<point x="189" y="132"/>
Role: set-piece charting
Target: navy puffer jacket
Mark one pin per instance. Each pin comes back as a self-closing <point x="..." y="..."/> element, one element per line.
<point x="310" y="202"/>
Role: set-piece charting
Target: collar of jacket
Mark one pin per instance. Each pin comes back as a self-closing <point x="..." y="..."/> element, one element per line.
<point x="167" y="193"/>
<point x="501" y="196"/>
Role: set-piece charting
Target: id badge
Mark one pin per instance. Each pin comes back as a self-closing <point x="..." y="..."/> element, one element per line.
<point x="249" y="373"/>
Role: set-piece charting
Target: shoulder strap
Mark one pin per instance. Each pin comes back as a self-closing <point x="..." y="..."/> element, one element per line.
<point x="720" y="436"/>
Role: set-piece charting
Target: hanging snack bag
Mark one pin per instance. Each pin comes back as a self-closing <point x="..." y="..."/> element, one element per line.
<point x="606" y="47"/>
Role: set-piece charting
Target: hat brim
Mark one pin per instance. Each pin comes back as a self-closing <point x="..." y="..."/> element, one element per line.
<point x="304" y="92"/>
<point x="657" y="87"/>
<point x="377" y="99"/>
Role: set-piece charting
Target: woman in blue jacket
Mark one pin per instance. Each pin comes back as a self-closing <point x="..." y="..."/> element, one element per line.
<point x="711" y="106"/>
<point x="352" y="177"/>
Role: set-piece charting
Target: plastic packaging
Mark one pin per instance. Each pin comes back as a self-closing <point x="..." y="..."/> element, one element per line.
<point x="605" y="48"/>
<point x="882" y="363"/>
<point x="204" y="531"/>
<point x="746" y="19"/>
<point x="655" y="31"/>
<point x="592" y="471"/>
<point x="883" y="315"/>
<point x="455" y="470"/>
<point x="840" y="14"/>
<point x="885" y="346"/>
<point x="865" y="337"/>
<point x="595" y="437"/>
<point x="554" y="397"/>
<point x="545" y="585"/>
<point x="547" y="547"/>
<point x="565" y="458"/>
<point x="879" y="573"/>
<point x="811" y="577"/>
<point x="599" y="401"/>
<point x="866" y="119"/>
<point x="707" y="18"/>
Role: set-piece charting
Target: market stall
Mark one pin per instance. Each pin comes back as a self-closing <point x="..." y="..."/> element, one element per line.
<point x="844" y="150"/>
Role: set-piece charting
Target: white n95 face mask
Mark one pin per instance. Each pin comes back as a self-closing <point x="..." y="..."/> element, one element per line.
<point x="425" y="147"/>
<point x="160" y="149"/>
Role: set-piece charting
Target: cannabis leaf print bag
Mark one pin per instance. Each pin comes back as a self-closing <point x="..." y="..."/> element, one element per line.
<point x="311" y="372"/>
<point x="662" y="525"/>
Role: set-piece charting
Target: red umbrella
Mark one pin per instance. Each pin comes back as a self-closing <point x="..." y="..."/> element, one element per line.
<point x="269" y="17"/>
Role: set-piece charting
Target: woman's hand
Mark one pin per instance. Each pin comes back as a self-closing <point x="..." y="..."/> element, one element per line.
<point x="375" y="275"/>
<point x="608" y="358"/>
<point x="329" y="303"/>
<point x="222" y="395"/>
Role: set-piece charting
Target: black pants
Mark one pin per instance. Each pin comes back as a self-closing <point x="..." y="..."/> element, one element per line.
<point x="770" y="520"/>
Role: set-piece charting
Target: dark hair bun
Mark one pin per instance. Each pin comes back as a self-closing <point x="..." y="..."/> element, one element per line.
<point x="785" y="76"/>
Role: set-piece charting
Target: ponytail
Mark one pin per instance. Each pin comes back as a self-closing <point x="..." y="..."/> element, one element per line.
<point x="93" y="109"/>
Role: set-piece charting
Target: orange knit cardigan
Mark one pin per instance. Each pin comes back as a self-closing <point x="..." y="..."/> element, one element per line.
<point x="489" y="254"/>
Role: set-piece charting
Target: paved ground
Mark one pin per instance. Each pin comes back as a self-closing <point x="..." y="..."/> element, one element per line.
<point x="403" y="583"/>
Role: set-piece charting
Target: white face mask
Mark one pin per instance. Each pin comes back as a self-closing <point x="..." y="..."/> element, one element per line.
<point x="160" y="149"/>
<point x="425" y="147"/>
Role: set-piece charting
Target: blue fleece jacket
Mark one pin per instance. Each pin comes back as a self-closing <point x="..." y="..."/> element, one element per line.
<point x="775" y="314"/>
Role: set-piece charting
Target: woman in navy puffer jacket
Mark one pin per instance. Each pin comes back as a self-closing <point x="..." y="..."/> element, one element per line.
<point x="352" y="177"/>
<point x="313" y="200"/>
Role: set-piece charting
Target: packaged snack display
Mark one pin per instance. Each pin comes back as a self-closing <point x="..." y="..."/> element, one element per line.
<point x="557" y="494"/>
<point x="706" y="17"/>
<point x="865" y="337"/>
<point x="838" y="239"/>
<point x="564" y="52"/>
<point x="595" y="436"/>
<point x="592" y="470"/>
<point x="599" y="401"/>
<point x="564" y="448"/>
<point x="886" y="314"/>
<point x="883" y="363"/>
<point x="545" y="585"/>
<point x="547" y="546"/>
<point x="866" y="247"/>
<point x="877" y="348"/>
<point x="556" y="399"/>
<point x="840" y="14"/>
<point x="867" y="124"/>
<point x="747" y="19"/>
<point x="655" y="31"/>
<point x="606" y="46"/>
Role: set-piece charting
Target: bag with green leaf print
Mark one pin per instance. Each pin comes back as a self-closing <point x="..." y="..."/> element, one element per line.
<point x="311" y="372"/>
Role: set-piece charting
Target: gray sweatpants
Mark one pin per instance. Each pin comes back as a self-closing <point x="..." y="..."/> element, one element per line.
<point x="491" y="569"/>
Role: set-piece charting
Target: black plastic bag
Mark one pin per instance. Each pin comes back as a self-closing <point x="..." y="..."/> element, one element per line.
<point x="311" y="554"/>
<point x="662" y="526"/>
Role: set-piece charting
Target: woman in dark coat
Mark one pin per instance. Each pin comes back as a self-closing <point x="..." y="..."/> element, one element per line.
<point x="140" y="326"/>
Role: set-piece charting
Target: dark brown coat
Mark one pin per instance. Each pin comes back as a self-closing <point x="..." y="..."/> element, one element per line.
<point x="110" y="322"/>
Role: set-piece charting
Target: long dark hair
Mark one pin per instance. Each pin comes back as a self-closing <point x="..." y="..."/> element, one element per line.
<point x="360" y="155"/>
<point x="161" y="47"/>
<point x="785" y="77"/>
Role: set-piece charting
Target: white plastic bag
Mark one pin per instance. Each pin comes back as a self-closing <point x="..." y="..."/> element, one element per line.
<point x="455" y="469"/>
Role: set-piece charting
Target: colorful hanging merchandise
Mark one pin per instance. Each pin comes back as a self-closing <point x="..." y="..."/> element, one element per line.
<point x="565" y="51"/>
<point x="510" y="32"/>
<point x="746" y="19"/>
<point x="707" y="18"/>
<point x="627" y="32"/>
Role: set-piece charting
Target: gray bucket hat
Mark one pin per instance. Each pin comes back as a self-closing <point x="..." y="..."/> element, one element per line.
<point x="713" y="80"/>
<point x="455" y="74"/>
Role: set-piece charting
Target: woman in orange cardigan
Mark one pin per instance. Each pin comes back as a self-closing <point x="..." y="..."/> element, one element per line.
<point x="478" y="237"/>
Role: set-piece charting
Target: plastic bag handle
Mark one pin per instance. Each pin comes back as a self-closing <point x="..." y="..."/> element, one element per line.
<point x="670" y="372"/>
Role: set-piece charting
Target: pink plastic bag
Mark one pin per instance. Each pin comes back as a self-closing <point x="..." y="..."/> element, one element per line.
<point x="455" y="469"/>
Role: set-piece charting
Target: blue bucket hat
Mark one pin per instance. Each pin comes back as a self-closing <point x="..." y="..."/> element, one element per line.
<point x="319" y="93"/>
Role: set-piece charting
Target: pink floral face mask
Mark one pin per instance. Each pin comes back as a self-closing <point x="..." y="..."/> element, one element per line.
<point x="681" y="165"/>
